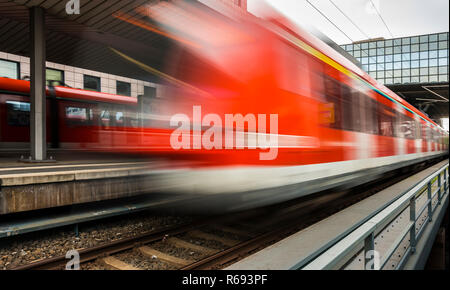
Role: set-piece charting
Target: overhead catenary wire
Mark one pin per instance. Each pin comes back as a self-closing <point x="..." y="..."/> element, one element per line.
<point x="349" y="19"/>
<point x="329" y="20"/>
<point x="378" y="12"/>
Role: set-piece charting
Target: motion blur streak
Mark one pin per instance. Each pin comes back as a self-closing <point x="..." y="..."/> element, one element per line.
<point x="336" y="126"/>
<point x="157" y="72"/>
<point x="195" y="22"/>
<point x="131" y="20"/>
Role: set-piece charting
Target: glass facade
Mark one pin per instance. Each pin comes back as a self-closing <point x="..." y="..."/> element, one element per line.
<point x="123" y="88"/>
<point x="416" y="59"/>
<point x="91" y="83"/>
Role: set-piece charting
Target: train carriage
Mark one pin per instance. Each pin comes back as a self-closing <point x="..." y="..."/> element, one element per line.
<point x="74" y="117"/>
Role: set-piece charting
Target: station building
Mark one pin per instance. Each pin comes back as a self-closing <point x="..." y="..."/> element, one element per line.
<point x="415" y="67"/>
<point x="407" y="60"/>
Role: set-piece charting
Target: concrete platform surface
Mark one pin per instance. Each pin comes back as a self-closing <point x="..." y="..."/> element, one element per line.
<point x="75" y="178"/>
<point x="38" y="174"/>
<point x="296" y="250"/>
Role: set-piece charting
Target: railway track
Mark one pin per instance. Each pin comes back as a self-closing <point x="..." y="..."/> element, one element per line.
<point x="218" y="242"/>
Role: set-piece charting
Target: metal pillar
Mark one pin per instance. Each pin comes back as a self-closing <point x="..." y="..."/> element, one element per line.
<point x="412" y="218"/>
<point x="38" y="95"/>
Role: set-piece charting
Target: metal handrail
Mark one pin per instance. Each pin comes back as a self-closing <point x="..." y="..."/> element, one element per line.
<point x="335" y="255"/>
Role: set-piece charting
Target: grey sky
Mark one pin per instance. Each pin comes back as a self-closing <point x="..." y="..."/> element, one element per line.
<point x="403" y="17"/>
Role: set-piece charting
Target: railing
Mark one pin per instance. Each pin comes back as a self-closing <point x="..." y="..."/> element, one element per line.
<point x="344" y="250"/>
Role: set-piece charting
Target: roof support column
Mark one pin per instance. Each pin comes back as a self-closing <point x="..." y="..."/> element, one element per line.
<point x="38" y="85"/>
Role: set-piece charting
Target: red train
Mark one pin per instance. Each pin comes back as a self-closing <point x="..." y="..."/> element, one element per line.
<point x="74" y="117"/>
<point x="259" y="112"/>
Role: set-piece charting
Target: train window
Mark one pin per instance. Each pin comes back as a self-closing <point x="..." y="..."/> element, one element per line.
<point x="78" y="116"/>
<point x="418" y="130"/>
<point x="356" y="100"/>
<point x="386" y="119"/>
<point x="406" y="126"/>
<point x="398" y="121"/>
<point x="409" y="128"/>
<point x="120" y="119"/>
<point x="351" y="117"/>
<point x="371" y="116"/>
<point x="426" y="133"/>
<point x="18" y="113"/>
<point x="347" y="109"/>
<point x="332" y="108"/>
<point x="105" y="118"/>
<point x="112" y="118"/>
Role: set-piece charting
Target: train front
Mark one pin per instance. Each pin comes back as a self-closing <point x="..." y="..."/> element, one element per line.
<point x="225" y="128"/>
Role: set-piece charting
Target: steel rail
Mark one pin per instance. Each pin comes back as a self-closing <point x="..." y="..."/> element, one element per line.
<point x="289" y="224"/>
<point x="90" y="254"/>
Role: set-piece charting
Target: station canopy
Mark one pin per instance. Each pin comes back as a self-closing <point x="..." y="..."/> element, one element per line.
<point x="85" y="40"/>
<point x="432" y="98"/>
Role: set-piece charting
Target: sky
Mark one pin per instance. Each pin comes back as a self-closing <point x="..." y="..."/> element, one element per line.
<point x="402" y="17"/>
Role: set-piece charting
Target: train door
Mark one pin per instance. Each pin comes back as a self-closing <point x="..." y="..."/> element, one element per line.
<point x="355" y="142"/>
<point x="106" y="123"/>
<point x="119" y="119"/>
<point x="401" y="130"/>
<point x="327" y="90"/>
<point x="369" y="123"/>
<point x="386" y="123"/>
<point x="425" y="137"/>
<point x="15" y="122"/>
<point x="418" y="140"/>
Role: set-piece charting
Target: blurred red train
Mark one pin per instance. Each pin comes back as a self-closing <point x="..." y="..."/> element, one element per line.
<point x="335" y="124"/>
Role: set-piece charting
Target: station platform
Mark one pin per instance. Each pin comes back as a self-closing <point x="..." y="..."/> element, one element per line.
<point x="74" y="178"/>
<point x="338" y="241"/>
